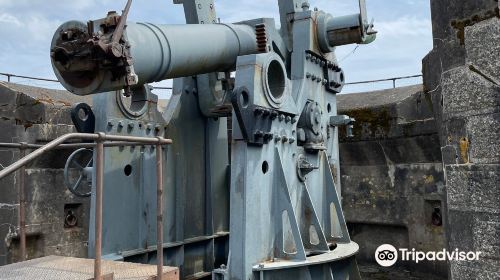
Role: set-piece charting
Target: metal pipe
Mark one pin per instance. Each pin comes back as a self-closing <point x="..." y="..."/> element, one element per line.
<point x="74" y="145"/>
<point x="98" y="206"/>
<point x="100" y="139"/>
<point x="25" y="160"/>
<point x="159" y="211"/>
<point x="143" y="140"/>
<point x="26" y="77"/>
<point x="22" y="206"/>
<point x="385" y="80"/>
<point x="83" y="136"/>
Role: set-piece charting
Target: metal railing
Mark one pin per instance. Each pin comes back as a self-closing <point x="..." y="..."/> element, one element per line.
<point x="10" y="76"/>
<point x="386" y="80"/>
<point x="101" y="140"/>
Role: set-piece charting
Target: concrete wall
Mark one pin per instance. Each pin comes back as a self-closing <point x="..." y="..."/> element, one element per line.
<point x="462" y="76"/>
<point x="37" y="115"/>
<point x="391" y="173"/>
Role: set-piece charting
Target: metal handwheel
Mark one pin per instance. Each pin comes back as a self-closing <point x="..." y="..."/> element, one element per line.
<point x="81" y="161"/>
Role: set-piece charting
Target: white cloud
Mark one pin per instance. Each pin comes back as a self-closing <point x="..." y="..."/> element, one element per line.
<point x="9" y="19"/>
<point x="27" y="26"/>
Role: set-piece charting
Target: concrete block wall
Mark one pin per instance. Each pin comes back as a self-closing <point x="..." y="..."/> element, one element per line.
<point x="36" y="115"/>
<point x="392" y="175"/>
<point x="462" y="75"/>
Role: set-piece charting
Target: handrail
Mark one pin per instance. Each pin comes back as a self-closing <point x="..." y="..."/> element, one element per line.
<point x="100" y="139"/>
<point x="82" y="136"/>
<point x="9" y="76"/>
<point x="385" y="80"/>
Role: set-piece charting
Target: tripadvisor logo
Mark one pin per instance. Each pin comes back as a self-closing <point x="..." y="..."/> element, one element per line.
<point x="387" y="255"/>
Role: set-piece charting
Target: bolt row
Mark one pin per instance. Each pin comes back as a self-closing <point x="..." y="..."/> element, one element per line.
<point x="131" y="125"/>
<point x="317" y="79"/>
<point x="267" y="137"/>
<point x="274" y="115"/>
<point x="322" y="63"/>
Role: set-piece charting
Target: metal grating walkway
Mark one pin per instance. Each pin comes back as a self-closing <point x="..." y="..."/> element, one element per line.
<point x="65" y="268"/>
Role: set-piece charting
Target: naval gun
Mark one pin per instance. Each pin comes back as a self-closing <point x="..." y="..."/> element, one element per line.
<point x="252" y="188"/>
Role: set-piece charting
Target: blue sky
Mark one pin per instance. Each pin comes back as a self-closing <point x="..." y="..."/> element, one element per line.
<point x="27" y="26"/>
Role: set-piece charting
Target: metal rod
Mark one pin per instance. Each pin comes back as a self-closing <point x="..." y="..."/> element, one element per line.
<point x="159" y="211"/>
<point x="394" y="83"/>
<point x="100" y="139"/>
<point x="22" y="206"/>
<point x="25" y="160"/>
<point x="98" y="207"/>
<point x="26" y="77"/>
<point x="74" y="145"/>
<point x="385" y="80"/>
<point x="83" y="136"/>
<point x="50" y="80"/>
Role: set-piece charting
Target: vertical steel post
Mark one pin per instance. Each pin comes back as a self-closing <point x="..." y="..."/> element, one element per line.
<point x="394" y="83"/>
<point x="98" y="206"/>
<point x="159" y="211"/>
<point x="22" y="205"/>
<point x="8" y="78"/>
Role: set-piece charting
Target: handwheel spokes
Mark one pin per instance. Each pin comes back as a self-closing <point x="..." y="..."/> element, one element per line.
<point x="78" y="166"/>
<point x="77" y="184"/>
<point x="80" y="161"/>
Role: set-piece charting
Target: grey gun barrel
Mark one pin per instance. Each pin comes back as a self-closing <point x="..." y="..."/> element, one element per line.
<point x="147" y="53"/>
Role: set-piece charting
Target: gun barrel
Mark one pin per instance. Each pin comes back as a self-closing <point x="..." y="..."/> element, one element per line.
<point x="85" y="64"/>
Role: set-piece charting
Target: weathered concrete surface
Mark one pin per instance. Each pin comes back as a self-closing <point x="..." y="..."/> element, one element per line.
<point x="35" y="115"/>
<point x="462" y="75"/>
<point x="392" y="175"/>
